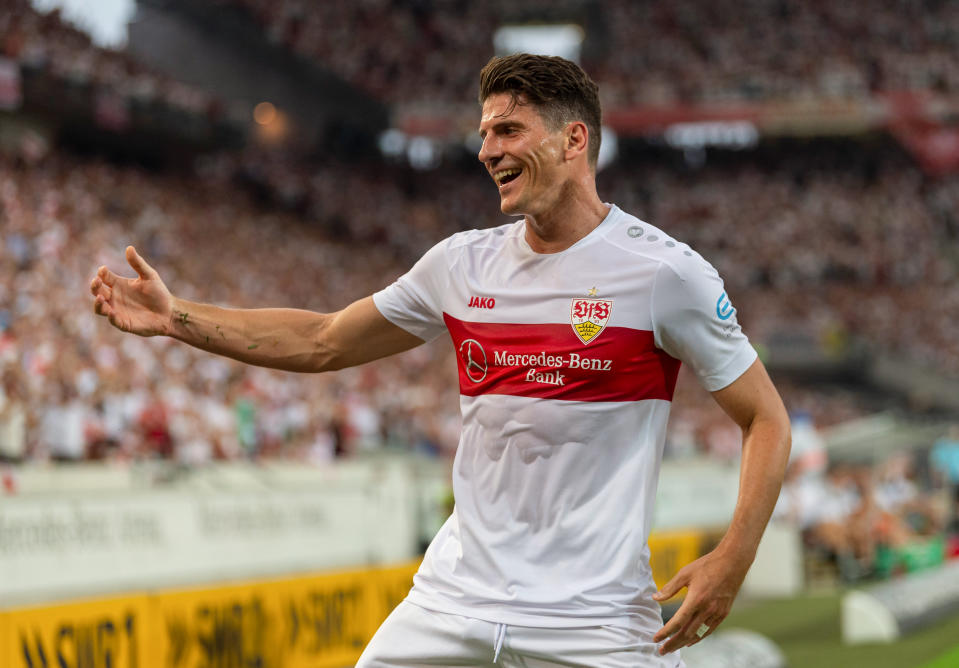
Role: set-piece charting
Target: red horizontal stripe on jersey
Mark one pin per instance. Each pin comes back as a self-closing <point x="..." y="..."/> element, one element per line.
<point x="620" y="364"/>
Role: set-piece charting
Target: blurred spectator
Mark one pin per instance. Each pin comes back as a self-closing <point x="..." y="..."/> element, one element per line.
<point x="944" y="459"/>
<point x="13" y="417"/>
<point x="62" y="426"/>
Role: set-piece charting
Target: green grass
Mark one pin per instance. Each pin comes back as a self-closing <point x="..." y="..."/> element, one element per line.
<point x="807" y="630"/>
<point x="948" y="660"/>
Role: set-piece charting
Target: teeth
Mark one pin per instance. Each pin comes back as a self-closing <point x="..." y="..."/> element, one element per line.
<point x="499" y="176"/>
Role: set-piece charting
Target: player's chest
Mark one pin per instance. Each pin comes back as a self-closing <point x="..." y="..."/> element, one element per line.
<point x="575" y="339"/>
<point x="581" y="336"/>
<point x="587" y="296"/>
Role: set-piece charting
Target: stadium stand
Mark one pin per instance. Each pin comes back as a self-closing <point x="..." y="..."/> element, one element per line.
<point x="44" y="42"/>
<point x="644" y="53"/>
<point x="830" y="242"/>
<point x="48" y="206"/>
<point x="835" y="228"/>
<point x="88" y="392"/>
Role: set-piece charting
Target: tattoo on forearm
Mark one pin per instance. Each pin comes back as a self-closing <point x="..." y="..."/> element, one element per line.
<point x="253" y="346"/>
<point x="183" y="317"/>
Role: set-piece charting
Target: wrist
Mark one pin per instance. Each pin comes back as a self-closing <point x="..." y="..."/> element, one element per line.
<point x="742" y="551"/>
<point x="178" y="320"/>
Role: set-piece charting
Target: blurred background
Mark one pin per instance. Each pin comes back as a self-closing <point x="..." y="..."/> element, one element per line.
<point x="162" y="506"/>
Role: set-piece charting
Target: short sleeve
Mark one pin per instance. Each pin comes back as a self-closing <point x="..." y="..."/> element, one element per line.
<point x="415" y="301"/>
<point x="695" y="322"/>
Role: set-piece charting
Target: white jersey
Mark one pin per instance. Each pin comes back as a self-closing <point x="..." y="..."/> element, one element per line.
<point x="567" y="364"/>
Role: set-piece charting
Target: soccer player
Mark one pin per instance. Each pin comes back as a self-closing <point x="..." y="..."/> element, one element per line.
<point x="570" y="325"/>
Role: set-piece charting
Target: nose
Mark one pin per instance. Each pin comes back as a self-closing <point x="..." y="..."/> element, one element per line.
<point x="490" y="149"/>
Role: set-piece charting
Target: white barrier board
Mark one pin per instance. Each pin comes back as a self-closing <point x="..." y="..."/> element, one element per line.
<point x="696" y="493"/>
<point x="52" y="546"/>
<point x="887" y="611"/>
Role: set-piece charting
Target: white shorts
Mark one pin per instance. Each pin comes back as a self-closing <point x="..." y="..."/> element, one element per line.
<point x="414" y="636"/>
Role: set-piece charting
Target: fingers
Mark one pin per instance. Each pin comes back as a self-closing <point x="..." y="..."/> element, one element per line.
<point x="679" y="632"/>
<point x="107" y="276"/>
<point x="678" y="620"/>
<point x="698" y="628"/>
<point x="99" y="287"/>
<point x="102" y="307"/>
<point x="686" y="626"/>
<point x="702" y="628"/>
<point x="671" y="588"/>
<point x="144" y="271"/>
<point x="102" y="293"/>
<point x="675" y="624"/>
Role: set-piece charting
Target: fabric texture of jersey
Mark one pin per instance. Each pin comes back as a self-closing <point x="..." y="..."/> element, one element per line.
<point x="567" y="365"/>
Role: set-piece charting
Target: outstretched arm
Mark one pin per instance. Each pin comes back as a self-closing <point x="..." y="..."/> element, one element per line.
<point x="279" y="338"/>
<point x="712" y="581"/>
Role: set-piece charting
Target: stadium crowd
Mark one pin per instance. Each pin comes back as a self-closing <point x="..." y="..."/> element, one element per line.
<point x="79" y="390"/>
<point x="871" y="519"/>
<point x="687" y="50"/>
<point x="44" y="41"/>
<point x="73" y="388"/>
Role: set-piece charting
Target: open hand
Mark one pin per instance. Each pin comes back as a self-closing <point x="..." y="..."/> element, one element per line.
<point x="141" y="305"/>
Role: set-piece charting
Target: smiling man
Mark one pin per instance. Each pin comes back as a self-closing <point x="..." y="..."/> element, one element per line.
<point x="570" y="325"/>
<point x="540" y="150"/>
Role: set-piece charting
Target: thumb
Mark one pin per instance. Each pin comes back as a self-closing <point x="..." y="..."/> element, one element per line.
<point x="671" y="588"/>
<point x="140" y="265"/>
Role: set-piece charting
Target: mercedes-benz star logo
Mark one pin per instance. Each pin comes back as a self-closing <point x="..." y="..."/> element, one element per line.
<point x="474" y="360"/>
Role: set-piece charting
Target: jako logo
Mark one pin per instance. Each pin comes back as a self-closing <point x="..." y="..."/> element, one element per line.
<point x="482" y="302"/>
<point x="724" y="309"/>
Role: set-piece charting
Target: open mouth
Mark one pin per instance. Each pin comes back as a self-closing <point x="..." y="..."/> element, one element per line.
<point x="506" y="176"/>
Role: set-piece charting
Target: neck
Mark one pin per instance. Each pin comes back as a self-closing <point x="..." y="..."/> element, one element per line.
<point x="577" y="212"/>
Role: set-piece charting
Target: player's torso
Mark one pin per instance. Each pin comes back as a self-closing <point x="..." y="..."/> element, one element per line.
<point x="575" y="325"/>
<point x="565" y="398"/>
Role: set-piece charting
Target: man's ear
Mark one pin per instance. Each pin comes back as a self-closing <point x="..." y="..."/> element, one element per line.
<point x="577" y="139"/>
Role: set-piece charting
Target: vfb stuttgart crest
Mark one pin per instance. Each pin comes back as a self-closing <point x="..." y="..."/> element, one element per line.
<point x="589" y="317"/>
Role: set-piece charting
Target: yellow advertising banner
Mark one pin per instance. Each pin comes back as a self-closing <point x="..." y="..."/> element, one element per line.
<point x="6" y="641"/>
<point x="236" y="625"/>
<point x="671" y="550"/>
<point x="310" y="622"/>
<point x="391" y="586"/>
<point x="313" y="621"/>
<point x="102" y="633"/>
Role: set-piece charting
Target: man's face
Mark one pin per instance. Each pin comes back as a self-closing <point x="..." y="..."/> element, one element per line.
<point x="525" y="159"/>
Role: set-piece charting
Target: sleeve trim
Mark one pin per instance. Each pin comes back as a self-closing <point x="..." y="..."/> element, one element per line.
<point x="732" y="370"/>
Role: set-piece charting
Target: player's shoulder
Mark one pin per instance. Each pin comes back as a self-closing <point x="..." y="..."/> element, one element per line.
<point x="647" y="243"/>
<point x="448" y="252"/>
<point x="484" y="238"/>
<point x="473" y="242"/>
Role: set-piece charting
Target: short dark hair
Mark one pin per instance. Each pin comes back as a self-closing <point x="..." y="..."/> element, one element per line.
<point x="559" y="89"/>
